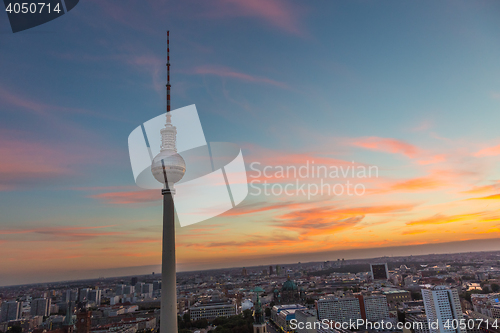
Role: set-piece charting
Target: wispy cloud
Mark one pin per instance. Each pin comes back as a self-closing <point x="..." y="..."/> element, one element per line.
<point x="489" y="197"/>
<point x="64" y="232"/>
<point x="277" y="13"/>
<point x="386" y="145"/>
<point x="488" y="151"/>
<point x="28" y="161"/>
<point x="128" y="197"/>
<point x="233" y="74"/>
<point x="326" y="220"/>
<point x="443" y="219"/>
<point x="40" y="108"/>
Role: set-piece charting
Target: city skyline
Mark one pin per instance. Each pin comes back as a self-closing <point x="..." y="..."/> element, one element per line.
<point x="411" y="90"/>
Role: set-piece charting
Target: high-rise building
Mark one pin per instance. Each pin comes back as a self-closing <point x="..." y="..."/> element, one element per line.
<point x="373" y="307"/>
<point x="40" y="307"/>
<point x="271" y="270"/>
<point x="10" y="311"/>
<point x="95" y="296"/>
<point x="70" y="295"/>
<point x="84" y="294"/>
<point x="128" y="290"/>
<point x="119" y="289"/>
<point x="379" y="271"/>
<point x="138" y="287"/>
<point x="134" y="281"/>
<point x="147" y="288"/>
<point x="339" y="309"/>
<point x="442" y="306"/>
<point x="156" y="285"/>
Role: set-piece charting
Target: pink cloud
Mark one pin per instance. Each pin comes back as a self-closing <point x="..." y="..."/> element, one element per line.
<point x="129" y="197"/>
<point x="488" y="151"/>
<point x="386" y="145"/>
<point x="433" y="159"/>
<point x="229" y="73"/>
<point x="65" y="232"/>
<point x="279" y="13"/>
<point x="28" y="161"/>
<point x="25" y="162"/>
<point x="40" y="108"/>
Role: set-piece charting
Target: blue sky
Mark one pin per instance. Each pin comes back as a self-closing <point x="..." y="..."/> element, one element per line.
<point x="412" y="87"/>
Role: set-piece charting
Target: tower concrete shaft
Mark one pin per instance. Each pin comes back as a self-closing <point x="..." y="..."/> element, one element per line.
<point x="168" y="315"/>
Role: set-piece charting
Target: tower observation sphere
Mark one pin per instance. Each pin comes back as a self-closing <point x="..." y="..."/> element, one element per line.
<point x="168" y="167"/>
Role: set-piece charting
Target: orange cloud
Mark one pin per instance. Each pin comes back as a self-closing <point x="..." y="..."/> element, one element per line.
<point x="414" y="232"/>
<point x="483" y="189"/>
<point x="261" y="207"/>
<point x="129" y="197"/>
<point x="64" y="232"/>
<point x="417" y="184"/>
<point x="488" y="151"/>
<point x="325" y="220"/>
<point x="489" y="197"/>
<point x="433" y="160"/>
<point x="442" y="219"/>
<point x="386" y="145"/>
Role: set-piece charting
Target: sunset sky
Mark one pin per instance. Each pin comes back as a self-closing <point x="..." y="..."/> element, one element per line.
<point x="410" y="87"/>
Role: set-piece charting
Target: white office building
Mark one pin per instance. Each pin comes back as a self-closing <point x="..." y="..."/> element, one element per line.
<point x="443" y="309"/>
<point x="213" y="310"/>
<point x="376" y="307"/>
<point x="339" y="309"/>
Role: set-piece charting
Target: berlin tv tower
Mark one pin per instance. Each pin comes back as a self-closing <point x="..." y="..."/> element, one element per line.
<point x="168" y="168"/>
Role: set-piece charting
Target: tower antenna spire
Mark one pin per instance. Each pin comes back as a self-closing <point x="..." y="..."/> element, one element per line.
<point x="168" y="78"/>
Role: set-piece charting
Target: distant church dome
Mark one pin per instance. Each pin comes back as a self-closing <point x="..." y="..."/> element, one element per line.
<point x="289" y="285"/>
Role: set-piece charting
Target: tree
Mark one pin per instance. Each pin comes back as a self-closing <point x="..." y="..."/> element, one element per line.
<point x="268" y="312"/>
<point x="235" y="324"/>
<point x="186" y="318"/>
<point x="247" y="314"/>
<point x="495" y="287"/>
<point x="184" y="330"/>
<point x="200" y="323"/>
